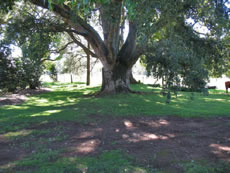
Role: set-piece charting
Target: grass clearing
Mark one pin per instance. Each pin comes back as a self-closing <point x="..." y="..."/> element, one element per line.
<point x="68" y="102"/>
<point x="67" y="130"/>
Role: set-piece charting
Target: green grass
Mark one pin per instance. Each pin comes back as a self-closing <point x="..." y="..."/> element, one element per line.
<point x="68" y="102"/>
<point x="114" y="161"/>
<point x="71" y="102"/>
<point x="48" y="161"/>
<point x="205" y="167"/>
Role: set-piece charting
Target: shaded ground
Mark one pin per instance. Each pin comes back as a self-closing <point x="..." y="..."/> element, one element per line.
<point x="161" y="143"/>
<point x="20" y="96"/>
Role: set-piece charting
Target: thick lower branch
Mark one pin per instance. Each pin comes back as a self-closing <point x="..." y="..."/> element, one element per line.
<point x="129" y="47"/>
<point x="77" y="23"/>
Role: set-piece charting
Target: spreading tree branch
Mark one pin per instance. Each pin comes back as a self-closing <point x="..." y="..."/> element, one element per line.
<point x="88" y="51"/>
<point x="63" y="48"/>
<point x="77" y="23"/>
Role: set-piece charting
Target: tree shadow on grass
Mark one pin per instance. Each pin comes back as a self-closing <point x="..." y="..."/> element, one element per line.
<point x="148" y="143"/>
<point x="64" y="104"/>
<point x="96" y="125"/>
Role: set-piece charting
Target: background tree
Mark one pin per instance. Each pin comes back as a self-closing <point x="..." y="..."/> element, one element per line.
<point x="118" y="62"/>
<point x="35" y="44"/>
<point x="76" y="63"/>
<point x="72" y="65"/>
<point x="8" y="70"/>
<point x="228" y="72"/>
<point x="183" y="58"/>
<point x="181" y="54"/>
<point x="51" y="70"/>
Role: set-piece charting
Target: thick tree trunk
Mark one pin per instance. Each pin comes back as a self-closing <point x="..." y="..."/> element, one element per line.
<point x="115" y="80"/>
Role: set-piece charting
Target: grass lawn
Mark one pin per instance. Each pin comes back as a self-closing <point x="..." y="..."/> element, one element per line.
<point x="59" y="131"/>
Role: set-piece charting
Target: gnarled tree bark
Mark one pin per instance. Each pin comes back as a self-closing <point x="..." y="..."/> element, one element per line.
<point x="117" y="59"/>
<point x="115" y="80"/>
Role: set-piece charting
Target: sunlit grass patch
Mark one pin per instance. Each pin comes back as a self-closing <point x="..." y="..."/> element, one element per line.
<point x="15" y="107"/>
<point x="216" y="91"/>
<point x="34" y="125"/>
<point x="46" y="113"/>
<point x="67" y="102"/>
<point x="18" y="133"/>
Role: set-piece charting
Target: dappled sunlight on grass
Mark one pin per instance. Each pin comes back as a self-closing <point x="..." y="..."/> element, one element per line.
<point x="17" y="133"/>
<point x="87" y="134"/>
<point x="112" y="144"/>
<point x="147" y="100"/>
<point x="46" y="128"/>
<point x="123" y="105"/>
<point x="144" y="136"/>
<point x="52" y="161"/>
<point x="149" y="87"/>
<point x="222" y="100"/>
<point x="71" y="100"/>
<point x="215" y="91"/>
<point x="157" y="124"/>
<point x="46" y="113"/>
<point x="87" y="146"/>
<point x="217" y="99"/>
<point x="221" y="150"/>
<point x="87" y="92"/>
<point x="68" y="102"/>
<point x="8" y="166"/>
<point x="221" y="147"/>
<point x="15" y="107"/>
<point x="42" y="100"/>
<point x="39" y="101"/>
<point x="161" y="103"/>
<point x="128" y="124"/>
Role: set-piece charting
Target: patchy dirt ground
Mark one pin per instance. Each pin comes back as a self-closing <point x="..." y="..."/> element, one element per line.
<point x="20" y="96"/>
<point x="162" y="143"/>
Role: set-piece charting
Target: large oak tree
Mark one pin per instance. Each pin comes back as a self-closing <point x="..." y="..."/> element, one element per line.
<point x="144" y="18"/>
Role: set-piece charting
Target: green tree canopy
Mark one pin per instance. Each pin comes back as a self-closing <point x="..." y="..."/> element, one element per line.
<point x="146" y="19"/>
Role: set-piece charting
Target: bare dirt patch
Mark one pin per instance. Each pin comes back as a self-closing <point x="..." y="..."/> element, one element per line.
<point x="20" y="96"/>
<point x="156" y="142"/>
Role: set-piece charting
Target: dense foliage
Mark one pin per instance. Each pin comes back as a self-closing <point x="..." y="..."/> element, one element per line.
<point x="8" y="70"/>
<point x="35" y="45"/>
<point x="181" y="53"/>
<point x="184" y="59"/>
<point x="18" y="73"/>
